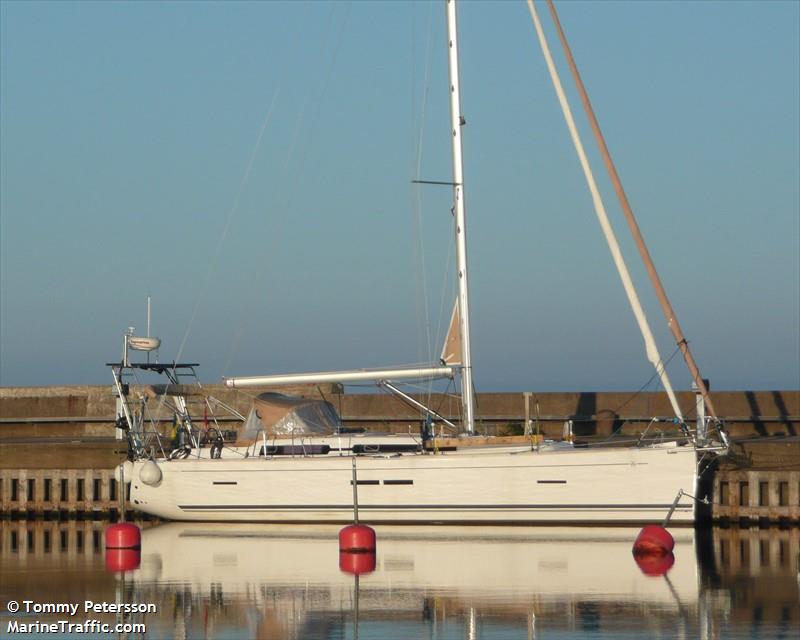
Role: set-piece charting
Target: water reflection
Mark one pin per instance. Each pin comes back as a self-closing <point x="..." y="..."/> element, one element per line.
<point x="285" y="582"/>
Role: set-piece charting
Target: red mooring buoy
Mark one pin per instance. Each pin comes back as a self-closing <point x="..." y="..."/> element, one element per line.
<point x="123" y="535"/>
<point x="654" y="565"/>
<point x="357" y="563"/>
<point x="357" y="538"/>
<point x="653" y="540"/>
<point x="121" y="560"/>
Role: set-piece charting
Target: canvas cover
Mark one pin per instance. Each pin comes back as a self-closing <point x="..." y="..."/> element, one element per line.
<point x="280" y="415"/>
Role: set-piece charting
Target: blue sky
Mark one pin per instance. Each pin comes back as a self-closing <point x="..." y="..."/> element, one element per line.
<point x="249" y="166"/>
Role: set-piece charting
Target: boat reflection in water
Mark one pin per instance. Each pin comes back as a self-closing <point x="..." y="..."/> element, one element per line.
<point x="271" y="581"/>
<point x="221" y="581"/>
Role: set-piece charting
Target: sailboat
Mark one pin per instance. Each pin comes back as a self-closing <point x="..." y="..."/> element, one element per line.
<point x="301" y="470"/>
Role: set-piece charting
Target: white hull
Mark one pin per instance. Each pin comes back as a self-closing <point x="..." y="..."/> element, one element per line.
<point x="476" y="485"/>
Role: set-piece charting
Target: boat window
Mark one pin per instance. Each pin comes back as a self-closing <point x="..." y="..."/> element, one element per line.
<point x="294" y="450"/>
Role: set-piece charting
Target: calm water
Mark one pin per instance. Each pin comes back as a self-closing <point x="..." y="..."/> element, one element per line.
<point x="285" y="582"/>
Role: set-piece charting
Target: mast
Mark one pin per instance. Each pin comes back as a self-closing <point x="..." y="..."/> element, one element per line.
<point x="661" y="294"/>
<point x="456" y="122"/>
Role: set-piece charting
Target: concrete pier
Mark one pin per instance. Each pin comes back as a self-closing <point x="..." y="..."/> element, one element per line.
<point x="61" y="493"/>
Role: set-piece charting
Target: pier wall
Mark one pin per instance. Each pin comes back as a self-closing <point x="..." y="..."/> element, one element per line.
<point x="90" y="494"/>
<point x="30" y="412"/>
<point x="58" y="447"/>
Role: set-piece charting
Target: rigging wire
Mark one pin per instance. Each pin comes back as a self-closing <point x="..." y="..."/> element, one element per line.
<point x="446" y="292"/>
<point x="228" y="220"/>
<point x="422" y="309"/>
<point x="446" y="395"/>
<point x="637" y="393"/>
<point x="419" y="387"/>
<point x="234" y="208"/>
<point x="648" y="383"/>
<point x="321" y="97"/>
<point x="285" y="171"/>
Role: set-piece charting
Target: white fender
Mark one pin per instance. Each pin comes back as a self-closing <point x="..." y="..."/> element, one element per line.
<point x="150" y="473"/>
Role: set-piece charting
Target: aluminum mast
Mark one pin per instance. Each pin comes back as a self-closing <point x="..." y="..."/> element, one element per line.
<point x="456" y="122"/>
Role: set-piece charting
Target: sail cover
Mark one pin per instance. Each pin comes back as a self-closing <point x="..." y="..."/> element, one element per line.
<point x="451" y="350"/>
<point x="280" y="415"/>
